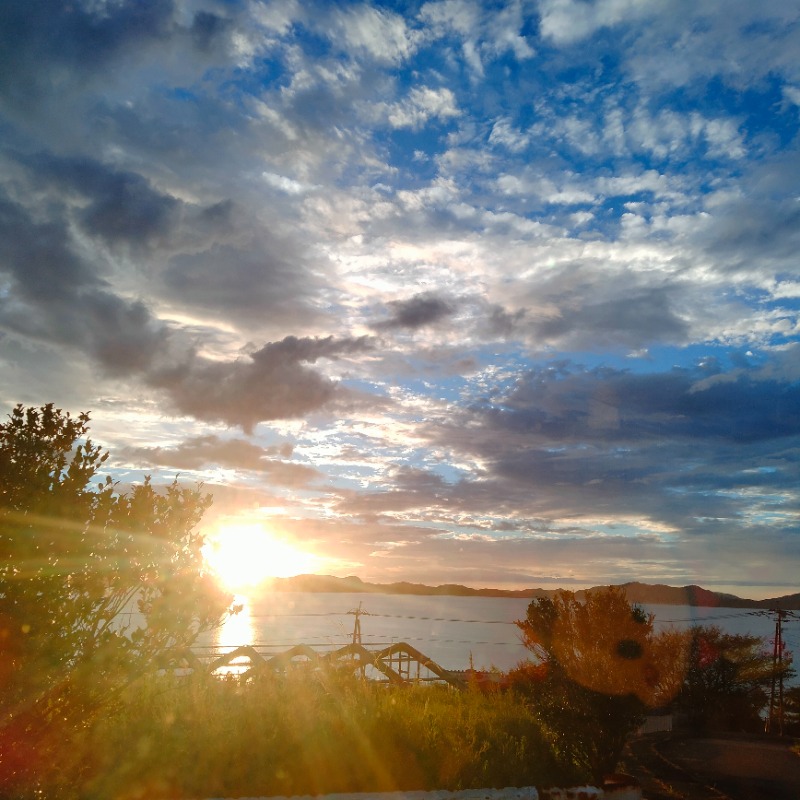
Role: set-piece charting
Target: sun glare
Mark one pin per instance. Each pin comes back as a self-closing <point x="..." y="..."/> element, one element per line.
<point x="244" y="555"/>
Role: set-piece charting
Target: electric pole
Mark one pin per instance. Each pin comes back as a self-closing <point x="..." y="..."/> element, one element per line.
<point x="776" y="704"/>
<point x="357" y="636"/>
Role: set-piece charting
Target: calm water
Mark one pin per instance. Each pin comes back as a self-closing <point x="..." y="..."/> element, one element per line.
<point x="449" y="630"/>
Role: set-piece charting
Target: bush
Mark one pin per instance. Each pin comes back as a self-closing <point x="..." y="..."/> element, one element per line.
<point x="600" y="665"/>
<point x="312" y="733"/>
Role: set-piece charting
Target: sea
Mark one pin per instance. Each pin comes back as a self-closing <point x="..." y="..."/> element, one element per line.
<point x="455" y="632"/>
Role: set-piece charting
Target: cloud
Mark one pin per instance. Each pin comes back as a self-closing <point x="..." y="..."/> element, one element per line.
<point x="55" y="296"/>
<point x="423" y="104"/>
<point x="484" y="34"/>
<point x="417" y="312"/>
<point x="53" y="49"/>
<point x="569" y="21"/>
<point x="118" y="207"/>
<point x="266" y="279"/>
<point x="504" y="134"/>
<point x="608" y="463"/>
<point x="566" y="404"/>
<point x="641" y="317"/>
<point x="204" y="206"/>
<point x="378" y="34"/>
<point x="212" y="452"/>
<point x="60" y="39"/>
<point x="271" y="383"/>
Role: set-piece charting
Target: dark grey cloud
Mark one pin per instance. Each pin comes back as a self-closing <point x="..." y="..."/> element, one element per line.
<point x="639" y="317"/>
<point x="761" y="223"/>
<point x="213" y="257"/>
<point x="208" y="28"/>
<point x="706" y="456"/>
<point x="563" y="403"/>
<point x="586" y="306"/>
<point x="267" y="278"/>
<point x="418" y="311"/>
<point x="211" y="451"/>
<point x="121" y="207"/>
<point x="38" y="254"/>
<point x="50" y="46"/>
<point x="55" y="296"/>
<point x="271" y="383"/>
<point x="503" y="323"/>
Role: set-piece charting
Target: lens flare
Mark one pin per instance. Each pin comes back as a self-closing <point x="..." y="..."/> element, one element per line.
<point x="244" y="555"/>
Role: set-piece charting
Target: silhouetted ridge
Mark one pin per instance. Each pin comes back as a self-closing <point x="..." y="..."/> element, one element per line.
<point x="652" y="594"/>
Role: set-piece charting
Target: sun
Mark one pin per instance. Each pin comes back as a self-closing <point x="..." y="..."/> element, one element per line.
<point x="244" y="555"/>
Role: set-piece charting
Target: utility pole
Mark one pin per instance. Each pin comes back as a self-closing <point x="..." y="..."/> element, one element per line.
<point x="777" y="675"/>
<point x="357" y="626"/>
<point x="357" y="635"/>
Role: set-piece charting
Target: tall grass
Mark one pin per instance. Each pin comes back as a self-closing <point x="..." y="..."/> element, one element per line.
<point x="309" y="733"/>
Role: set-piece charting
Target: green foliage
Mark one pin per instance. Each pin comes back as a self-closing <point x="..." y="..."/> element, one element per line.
<point x="94" y="585"/>
<point x="600" y="667"/>
<point x="310" y="732"/>
<point x="792" y="710"/>
<point x="727" y="680"/>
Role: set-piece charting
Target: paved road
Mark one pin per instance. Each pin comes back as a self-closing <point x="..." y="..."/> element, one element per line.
<point x="740" y="768"/>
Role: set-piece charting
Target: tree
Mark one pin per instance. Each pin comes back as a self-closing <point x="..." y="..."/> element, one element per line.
<point x="600" y="666"/>
<point x="95" y="585"/>
<point x="727" y="680"/>
<point x="792" y="711"/>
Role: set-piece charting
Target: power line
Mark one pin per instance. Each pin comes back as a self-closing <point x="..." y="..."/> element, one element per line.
<point x="737" y="615"/>
<point x="388" y="616"/>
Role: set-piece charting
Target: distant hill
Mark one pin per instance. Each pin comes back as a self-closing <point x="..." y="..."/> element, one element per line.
<point x="653" y="594"/>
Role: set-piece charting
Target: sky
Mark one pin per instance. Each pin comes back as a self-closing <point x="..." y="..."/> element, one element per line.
<point x="499" y="294"/>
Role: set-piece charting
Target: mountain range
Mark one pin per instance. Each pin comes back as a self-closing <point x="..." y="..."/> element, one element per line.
<point x="652" y="594"/>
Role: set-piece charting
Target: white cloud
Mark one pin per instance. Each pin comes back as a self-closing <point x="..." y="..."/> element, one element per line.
<point x="422" y="104"/>
<point x="504" y="35"/>
<point x="486" y="33"/>
<point x="786" y="289"/>
<point x="722" y="136"/>
<point x="287" y="185"/>
<point x="792" y="94"/>
<point x="461" y="16"/>
<point x="380" y="34"/>
<point x="544" y="189"/>
<point x="504" y="134"/>
<point x="568" y="21"/>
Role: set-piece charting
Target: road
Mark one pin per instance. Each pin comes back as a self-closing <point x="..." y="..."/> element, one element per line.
<point x="742" y="769"/>
<point x="718" y="768"/>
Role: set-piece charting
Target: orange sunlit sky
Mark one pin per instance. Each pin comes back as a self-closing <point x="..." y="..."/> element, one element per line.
<point x="500" y="294"/>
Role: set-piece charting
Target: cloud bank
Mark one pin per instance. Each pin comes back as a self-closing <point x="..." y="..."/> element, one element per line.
<point x="458" y="293"/>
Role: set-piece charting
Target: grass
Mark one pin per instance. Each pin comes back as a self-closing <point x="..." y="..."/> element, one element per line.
<point x="308" y="733"/>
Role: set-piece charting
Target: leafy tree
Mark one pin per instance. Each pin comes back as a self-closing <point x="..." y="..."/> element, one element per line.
<point x="727" y="680"/>
<point x="791" y="716"/>
<point x="600" y="665"/>
<point x="95" y="586"/>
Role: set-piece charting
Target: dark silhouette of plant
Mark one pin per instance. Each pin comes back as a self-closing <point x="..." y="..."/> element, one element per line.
<point x="727" y="682"/>
<point x="792" y="711"/>
<point x="600" y="666"/>
<point x="95" y="587"/>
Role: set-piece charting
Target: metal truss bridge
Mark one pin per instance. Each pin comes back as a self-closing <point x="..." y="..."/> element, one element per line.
<point x="399" y="663"/>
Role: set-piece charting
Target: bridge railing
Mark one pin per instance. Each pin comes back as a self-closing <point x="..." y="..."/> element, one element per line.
<point x="397" y="663"/>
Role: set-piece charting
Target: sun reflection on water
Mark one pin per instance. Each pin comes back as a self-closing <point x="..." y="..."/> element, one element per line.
<point x="236" y="631"/>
